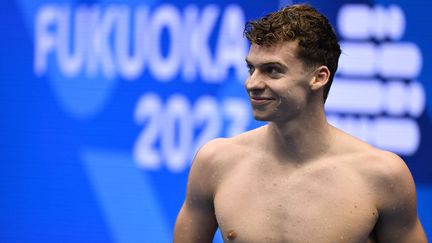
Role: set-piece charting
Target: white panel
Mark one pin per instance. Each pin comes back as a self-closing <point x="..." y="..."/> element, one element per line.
<point x="357" y="59"/>
<point x="353" y="21"/>
<point x="398" y="135"/>
<point x="395" y="102"/>
<point x="377" y="22"/>
<point x="395" y="22"/>
<point x="402" y="60"/>
<point x="417" y="99"/>
<point x="355" y="96"/>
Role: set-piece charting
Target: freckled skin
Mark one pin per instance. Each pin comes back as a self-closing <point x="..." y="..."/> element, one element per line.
<point x="296" y="179"/>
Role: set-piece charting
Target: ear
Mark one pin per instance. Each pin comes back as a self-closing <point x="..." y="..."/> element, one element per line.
<point x="321" y="77"/>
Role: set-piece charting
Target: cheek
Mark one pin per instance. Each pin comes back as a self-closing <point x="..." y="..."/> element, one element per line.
<point x="294" y="97"/>
<point x="289" y="92"/>
<point x="293" y="93"/>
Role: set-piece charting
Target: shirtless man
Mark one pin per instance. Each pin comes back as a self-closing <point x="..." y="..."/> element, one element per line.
<point x="296" y="179"/>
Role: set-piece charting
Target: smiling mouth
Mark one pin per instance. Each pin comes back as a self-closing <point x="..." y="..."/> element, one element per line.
<point x="260" y="100"/>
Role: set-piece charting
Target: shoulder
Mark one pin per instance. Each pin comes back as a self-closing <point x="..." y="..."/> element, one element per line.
<point x="388" y="179"/>
<point x="393" y="194"/>
<point x="392" y="180"/>
<point x="383" y="172"/>
<point x="221" y="150"/>
<point x="220" y="156"/>
<point x="390" y="167"/>
<point x="375" y="163"/>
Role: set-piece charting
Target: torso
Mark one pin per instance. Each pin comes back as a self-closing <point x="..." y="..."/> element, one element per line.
<point x="259" y="199"/>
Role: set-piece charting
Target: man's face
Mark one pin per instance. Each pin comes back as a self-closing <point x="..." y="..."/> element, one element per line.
<point x="278" y="83"/>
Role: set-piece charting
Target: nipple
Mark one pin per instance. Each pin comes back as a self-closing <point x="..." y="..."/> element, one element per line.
<point x="231" y="235"/>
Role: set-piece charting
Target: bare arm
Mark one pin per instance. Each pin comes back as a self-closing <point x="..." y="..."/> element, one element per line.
<point x="398" y="220"/>
<point x="196" y="221"/>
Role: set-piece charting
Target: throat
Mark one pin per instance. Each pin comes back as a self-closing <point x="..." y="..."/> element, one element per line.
<point x="298" y="143"/>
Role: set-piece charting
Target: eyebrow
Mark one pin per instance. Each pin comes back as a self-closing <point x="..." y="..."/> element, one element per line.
<point x="284" y="67"/>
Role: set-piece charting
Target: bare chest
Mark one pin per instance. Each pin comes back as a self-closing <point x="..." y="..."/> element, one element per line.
<point x="317" y="205"/>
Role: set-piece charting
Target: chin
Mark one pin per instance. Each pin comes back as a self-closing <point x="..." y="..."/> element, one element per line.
<point x="272" y="117"/>
<point x="262" y="117"/>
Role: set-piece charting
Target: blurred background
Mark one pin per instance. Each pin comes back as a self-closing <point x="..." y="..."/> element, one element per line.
<point x="104" y="103"/>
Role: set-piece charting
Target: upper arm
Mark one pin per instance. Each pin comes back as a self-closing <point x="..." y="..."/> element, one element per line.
<point x="196" y="221"/>
<point x="194" y="225"/>
<point x="398" y="220"/>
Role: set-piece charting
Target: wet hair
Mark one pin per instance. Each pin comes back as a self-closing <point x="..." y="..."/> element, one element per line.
<point x="317" y="41"/>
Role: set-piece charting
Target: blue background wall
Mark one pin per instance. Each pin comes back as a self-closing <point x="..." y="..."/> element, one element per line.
<point x="97" y="133"/>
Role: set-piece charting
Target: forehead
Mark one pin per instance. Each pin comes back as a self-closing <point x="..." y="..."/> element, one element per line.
<point x="282" y="52"/>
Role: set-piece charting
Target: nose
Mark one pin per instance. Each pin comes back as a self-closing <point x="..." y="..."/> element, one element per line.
<point x="254" y="83"/>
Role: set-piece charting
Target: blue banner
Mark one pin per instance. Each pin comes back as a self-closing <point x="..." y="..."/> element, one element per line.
<point x="103" y="105"/>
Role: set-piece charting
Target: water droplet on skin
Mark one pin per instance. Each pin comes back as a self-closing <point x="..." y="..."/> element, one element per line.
<point x="231" y="235"/>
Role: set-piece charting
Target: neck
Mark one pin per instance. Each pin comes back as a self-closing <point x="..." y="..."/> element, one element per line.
<point x="300" y="139"/>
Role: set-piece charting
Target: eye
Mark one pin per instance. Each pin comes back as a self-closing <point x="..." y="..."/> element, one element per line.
<point x="251" y="69"/>
<point x="272" y="70"/>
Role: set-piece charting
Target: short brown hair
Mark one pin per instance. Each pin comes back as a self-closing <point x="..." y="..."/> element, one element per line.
<point x="317" y="41"/>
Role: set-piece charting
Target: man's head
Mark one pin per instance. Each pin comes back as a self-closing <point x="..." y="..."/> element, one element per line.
<point x="317" y="42"/>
